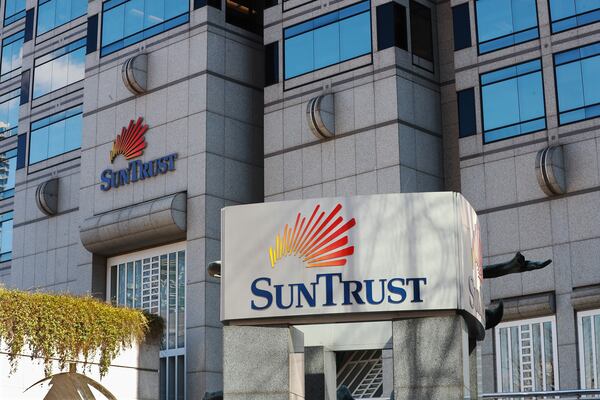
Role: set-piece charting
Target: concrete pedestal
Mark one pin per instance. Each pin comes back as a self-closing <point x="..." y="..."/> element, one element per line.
<point x="261" y="363"/>
<point x="431" y="358"/>
<point x="319" y="373"/>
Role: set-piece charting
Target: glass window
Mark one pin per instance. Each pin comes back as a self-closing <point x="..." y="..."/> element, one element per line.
<point x="504" y="23"/>
<point x="513" y="101"/>
<point x="391" y="26"/>
<point x="6" y="235"/>
<point x="55" y="135"/>
<point x="461" y="22"/>
<point x="421" y="34"/>
<point x="467" y="125"/>
<point x="569" y="14"/>
<point x="12" y="55"/>
<point x="577" y="84"/>
<point x="154" y="281"/>
<point x="526" y="355"/>
<point x="327" y="40"/>
<point x="54" y="13"/>
<point x="127" y="22"/>
<point x="14" y="10"/>
<point x="588" y="327"/>
<point x="58" y="69"/>
<point x="9" y="113"/>
<point x="8" y="169"/>
<point x="247" y="14"/>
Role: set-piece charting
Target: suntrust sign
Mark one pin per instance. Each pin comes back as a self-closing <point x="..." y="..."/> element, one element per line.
<point x="341" y="258"/>
<point x="131" y="144"/>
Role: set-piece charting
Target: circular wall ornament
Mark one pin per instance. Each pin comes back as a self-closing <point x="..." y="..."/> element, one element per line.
<point x="550" y="170"/>
<point x="135" y="74"/>
<point x="46" y="197"/>
<point x="320" y="113"/>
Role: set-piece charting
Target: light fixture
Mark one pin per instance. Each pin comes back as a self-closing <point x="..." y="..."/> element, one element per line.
<point x="214" y="269"/>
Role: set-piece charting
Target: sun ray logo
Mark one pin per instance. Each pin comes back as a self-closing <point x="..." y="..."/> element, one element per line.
<point x="316" y="243"/>
<point x="131" y="142"/>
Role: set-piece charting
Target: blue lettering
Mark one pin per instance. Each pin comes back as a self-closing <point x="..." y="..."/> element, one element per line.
<point x="416" y="288"/>
<point x="265" y="294"/>
<point x="396" y="290"/>
<point x="303" y="292"/>
<point x="328" y="287"/>
<point x="369" y="286"/>
<point x="279" y="296"/>
<point x="106" y="178"/>
<point x="355" y="292"/>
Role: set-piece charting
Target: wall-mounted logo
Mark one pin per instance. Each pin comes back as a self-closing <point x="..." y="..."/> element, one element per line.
<point x="321" y="242"/>
<point x="131" y="143"/>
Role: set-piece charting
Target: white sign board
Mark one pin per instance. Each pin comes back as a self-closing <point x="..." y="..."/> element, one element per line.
<point x="335" y="259"/>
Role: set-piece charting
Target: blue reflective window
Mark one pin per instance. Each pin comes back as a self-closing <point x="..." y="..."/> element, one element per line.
<point x="327" y="40"/>
<point x="54" y="13"/>
<point x="59" y="68"/>
<point x="14" y="10"/>
<point x="505" y="23"/>
<point x="55" y="135"/>
<point x="569" y="14"/>
<point x="12" y="56"/>
<point x="9" y="113"/>
<point x="577" y="83"/>
<point x="513" y="101"/>
<point x="6" y="236"/>
<point x="127" y="22"/>
<point x="8" y="169"/>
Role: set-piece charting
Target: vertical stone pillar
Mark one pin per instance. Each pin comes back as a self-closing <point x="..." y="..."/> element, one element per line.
<point x="319" y="373"/>
<point x="261" y="363"/>
<point x="431" y="358"/>
<point x="475" y="368"/>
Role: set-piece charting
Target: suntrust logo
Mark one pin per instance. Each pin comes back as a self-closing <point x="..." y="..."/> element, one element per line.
<point x="131" y="143"/>
<point x="321" y="240"/>
<point x="319" y="243"/>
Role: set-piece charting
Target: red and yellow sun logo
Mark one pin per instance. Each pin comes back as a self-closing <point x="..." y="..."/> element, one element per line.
<point x="131" y="142"/>
<point x="318" y="243"/>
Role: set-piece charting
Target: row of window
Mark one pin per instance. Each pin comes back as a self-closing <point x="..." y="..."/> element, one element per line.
<point x="527" y="359"/>
<point x="505" y="23"/>
<point x="512" y="99"/>
<point x="346" y="34"/>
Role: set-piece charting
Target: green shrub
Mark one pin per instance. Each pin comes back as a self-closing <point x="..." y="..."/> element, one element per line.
<point x="67" y="328"/>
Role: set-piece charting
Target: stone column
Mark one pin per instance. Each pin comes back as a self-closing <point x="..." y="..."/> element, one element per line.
<point x="263" y="363"/>
<point x="319" y="373"/>
<point x="431" y="358"/>
<point x="475" y="367"/>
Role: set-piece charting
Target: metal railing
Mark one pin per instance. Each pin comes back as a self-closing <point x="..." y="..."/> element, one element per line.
<point x="573" y="394"/>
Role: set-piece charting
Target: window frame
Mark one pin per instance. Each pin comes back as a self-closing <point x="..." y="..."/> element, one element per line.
<point x="518" y="323"/>
<point x="369" y="11"/>
<point x="9" y="193"/>
<point x="554" y="66"/>
<point x="580" y="347"/>
<point x="552" y="22"/>
<point x="481" y="85"/>
<point x="478" y="43"/>
<point x="81" y="44"/>
<point x="11" y="95"/>
<point x="104" y="53"/>
<point x="4" y="217"/>
<point x="6" y="76"/>
<point x="164" y="354"/>
<point x="31" y="130"/>
<point x="37" y="19"/>
<point x="14" y="17"/>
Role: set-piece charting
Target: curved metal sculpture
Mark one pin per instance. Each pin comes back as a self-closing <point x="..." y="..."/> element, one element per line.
<point x="72" y="386"/>
<point x="517" y="265"/>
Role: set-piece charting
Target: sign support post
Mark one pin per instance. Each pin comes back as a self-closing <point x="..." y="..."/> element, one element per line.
<point x="263" y="363"/>
<point x="431" y="358"/>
